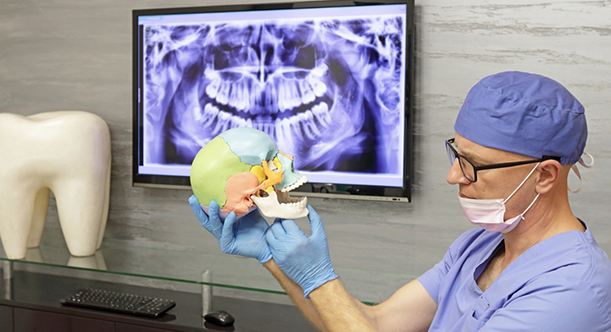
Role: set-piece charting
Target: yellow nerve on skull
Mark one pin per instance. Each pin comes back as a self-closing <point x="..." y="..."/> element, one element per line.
<point x="242" y="166"/>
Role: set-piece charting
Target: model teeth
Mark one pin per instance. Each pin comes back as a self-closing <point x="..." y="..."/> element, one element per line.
<point x="295" y="185"/>
<point x="303" y="202"/>
<point x="285" y="200"/>
<point x="281" y="205"/>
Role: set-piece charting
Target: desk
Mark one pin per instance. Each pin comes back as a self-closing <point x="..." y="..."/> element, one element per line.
<point x="34" y="306"/>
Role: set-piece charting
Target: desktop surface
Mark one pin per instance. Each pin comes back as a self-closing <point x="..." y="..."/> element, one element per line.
<point x="41" y="294"/>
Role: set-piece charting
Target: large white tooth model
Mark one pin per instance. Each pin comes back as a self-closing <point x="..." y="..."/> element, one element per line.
<point x="67" y="152"/>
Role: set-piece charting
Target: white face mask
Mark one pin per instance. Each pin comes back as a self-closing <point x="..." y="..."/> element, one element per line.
<point x="490" y="213"/>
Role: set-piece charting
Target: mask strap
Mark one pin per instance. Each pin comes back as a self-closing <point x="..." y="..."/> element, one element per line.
<point x="576" y="170"/>
<point x="528" y="208"/>
<point x="529" y="174"/>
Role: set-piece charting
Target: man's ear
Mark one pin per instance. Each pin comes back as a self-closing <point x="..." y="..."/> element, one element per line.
<point x="549" y="174"/>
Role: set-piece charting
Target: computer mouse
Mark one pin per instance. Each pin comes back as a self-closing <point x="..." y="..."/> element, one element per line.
<point x="219" y="317"/>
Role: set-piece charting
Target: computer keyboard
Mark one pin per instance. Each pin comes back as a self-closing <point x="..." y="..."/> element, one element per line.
<point x="124" y="303"/>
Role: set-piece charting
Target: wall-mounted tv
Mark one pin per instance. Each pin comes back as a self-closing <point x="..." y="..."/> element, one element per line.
<point x="330" y="81"/>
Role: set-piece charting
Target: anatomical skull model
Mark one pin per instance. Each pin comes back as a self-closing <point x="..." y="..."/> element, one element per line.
<point x="241" y="169"/>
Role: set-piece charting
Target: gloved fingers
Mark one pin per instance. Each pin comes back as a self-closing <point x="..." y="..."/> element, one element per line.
<point x="277" y="230"/>
<point x="270" y="237"/>
<point x="197" y="209"/>
<point x="199" y="212"/>
<point x="315" y="223"/>
<point x="193" y="201"/>
<point x="215" y="219"/>
<point x="274" y="244"/>
<point x="291" y="227"/>
<point x="227" y="235"/>
<point x="256" y="214"/>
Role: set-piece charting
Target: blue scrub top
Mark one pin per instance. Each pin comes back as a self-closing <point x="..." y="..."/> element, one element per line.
<point x="560" y="284"/>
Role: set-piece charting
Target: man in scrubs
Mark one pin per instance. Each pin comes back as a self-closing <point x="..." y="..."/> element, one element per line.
<point x="531" y="266"/>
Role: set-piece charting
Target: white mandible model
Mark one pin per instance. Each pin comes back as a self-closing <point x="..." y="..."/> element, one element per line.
<point x="67" y="152"/>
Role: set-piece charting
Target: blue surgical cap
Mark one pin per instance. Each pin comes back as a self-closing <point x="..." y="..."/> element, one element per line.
<point x="526" y="114"/>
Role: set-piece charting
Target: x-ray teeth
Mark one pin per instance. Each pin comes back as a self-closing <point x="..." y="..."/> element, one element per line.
<point x="223" y="93"/>
<point x="307" y="94"/>
<point x="321" y="113"/>
<point x="316" y="87"/>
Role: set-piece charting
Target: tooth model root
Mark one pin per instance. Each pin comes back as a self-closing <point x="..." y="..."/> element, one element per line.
<point x="67" y="152"/>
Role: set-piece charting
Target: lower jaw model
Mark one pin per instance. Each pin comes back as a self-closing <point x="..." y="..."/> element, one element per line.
<point x="67" y="152"/>
<point x="281" y="205"/>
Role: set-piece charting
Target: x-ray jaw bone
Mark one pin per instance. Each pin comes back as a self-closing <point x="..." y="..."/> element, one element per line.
<point x="326" y="91"/>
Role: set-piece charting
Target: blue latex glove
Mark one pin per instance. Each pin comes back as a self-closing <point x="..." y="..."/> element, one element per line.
<point x="303" y="259"/>
<point x="245" y="237"/>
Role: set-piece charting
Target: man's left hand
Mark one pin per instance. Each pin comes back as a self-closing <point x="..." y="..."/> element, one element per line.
<point x="244" y="237"/>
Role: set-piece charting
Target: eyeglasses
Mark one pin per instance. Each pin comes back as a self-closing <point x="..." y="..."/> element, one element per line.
<point x="469" y="169"/>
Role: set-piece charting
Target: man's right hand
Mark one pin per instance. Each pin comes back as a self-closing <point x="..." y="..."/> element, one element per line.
<point x="244" y="238"/>
<point x="303" y="259"/>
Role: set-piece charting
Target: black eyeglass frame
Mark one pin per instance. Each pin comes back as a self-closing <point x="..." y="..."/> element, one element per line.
<point x="490" y="166"/>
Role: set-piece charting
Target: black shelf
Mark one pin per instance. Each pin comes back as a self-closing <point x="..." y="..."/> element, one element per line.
<point x="31" y="302"/>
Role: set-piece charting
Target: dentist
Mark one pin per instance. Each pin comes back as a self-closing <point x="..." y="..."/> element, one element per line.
<point x="531" y="266"/>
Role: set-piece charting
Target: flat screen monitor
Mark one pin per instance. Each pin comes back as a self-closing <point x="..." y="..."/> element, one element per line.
<point x="331" y="82"/>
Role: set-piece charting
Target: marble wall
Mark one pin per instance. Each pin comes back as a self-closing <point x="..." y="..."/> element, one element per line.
<point x="68" y="54"/>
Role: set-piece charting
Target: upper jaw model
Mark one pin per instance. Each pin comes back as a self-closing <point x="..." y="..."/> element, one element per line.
<point x="242" y="169"/>
<point x="67" y="152"/>
<point x="279" y="204"/>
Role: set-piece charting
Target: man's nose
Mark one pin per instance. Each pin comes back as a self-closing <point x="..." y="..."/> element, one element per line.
<point x="455" y="175"/>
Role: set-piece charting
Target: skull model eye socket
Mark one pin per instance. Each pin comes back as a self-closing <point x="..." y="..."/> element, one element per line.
<point x="271" y="165"/>
<point x="277" y="163"/>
